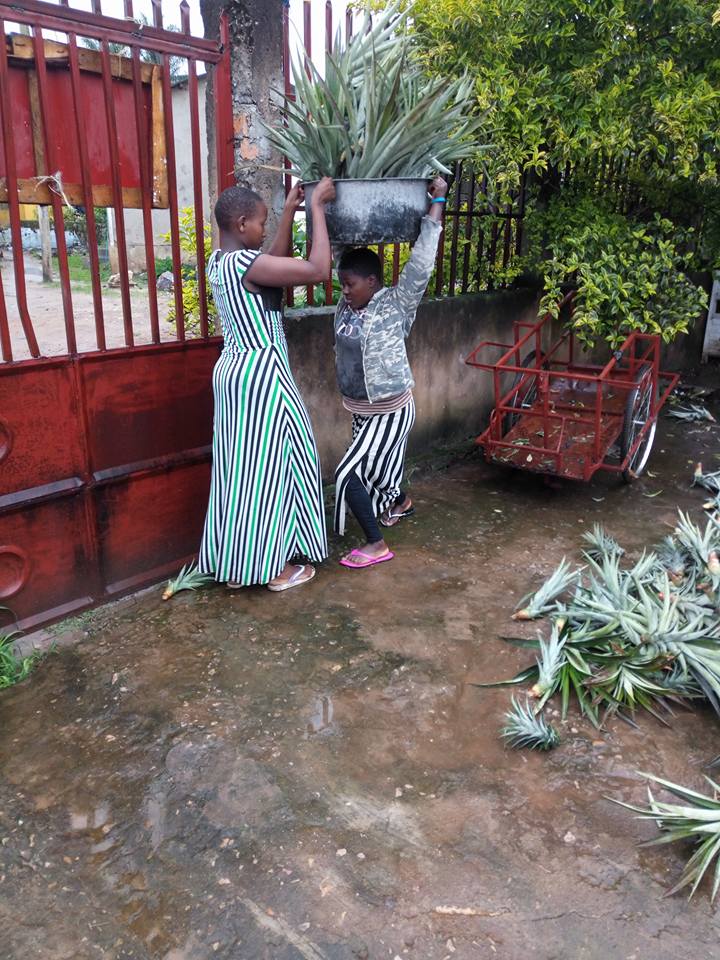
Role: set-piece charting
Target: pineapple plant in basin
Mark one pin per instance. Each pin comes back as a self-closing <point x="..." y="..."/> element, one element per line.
<point x="379" y="126"/>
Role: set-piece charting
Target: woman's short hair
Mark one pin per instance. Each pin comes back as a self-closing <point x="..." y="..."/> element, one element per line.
<point x="363" y="262"/>
<point x="233" y="203"/>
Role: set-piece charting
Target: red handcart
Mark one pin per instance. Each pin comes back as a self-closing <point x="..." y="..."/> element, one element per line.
<point x="557" y="414"/>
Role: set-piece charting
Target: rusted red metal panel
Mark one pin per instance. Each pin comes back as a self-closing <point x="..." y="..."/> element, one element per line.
<point x="104" y="473"/>
<point x="44" y="568"/>
<point x="151" y="523"/>
<point x="157" y="404"/>
<point x="39" y="443"/>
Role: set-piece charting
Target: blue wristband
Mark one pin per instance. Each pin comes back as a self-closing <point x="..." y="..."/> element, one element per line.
<point x="438" y="200"/>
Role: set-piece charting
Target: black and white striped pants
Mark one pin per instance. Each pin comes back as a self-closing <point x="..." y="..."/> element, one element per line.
<point x="377" y="457"/>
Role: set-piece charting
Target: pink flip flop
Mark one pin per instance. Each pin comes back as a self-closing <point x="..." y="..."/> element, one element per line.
<point x="369" y="561"/>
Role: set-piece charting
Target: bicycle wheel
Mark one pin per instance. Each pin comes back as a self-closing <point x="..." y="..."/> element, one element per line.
<point x="638" y="408"/>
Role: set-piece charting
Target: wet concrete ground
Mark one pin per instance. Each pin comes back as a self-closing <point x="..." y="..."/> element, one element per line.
<point x="313" y="775"/>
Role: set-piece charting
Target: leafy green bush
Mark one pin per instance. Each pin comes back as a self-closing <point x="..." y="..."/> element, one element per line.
<point x="190" y="286"/>
<point x="629" y="275"/>
<point x="163" y="265"/>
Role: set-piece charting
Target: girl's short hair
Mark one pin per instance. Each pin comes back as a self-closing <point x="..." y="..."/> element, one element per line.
<point x="235" y="202"/>
<point x="363" y="262"/>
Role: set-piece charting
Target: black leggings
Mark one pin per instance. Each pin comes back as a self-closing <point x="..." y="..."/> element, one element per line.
<point x="359" y="502"/>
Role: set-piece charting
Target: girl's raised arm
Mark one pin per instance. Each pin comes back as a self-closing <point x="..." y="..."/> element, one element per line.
<point x="269" y="270"/>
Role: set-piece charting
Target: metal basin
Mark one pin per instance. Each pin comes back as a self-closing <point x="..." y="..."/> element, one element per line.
<point x="373" y="211"/>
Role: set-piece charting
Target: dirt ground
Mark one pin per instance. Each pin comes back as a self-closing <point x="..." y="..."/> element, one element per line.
<point x="46" y="312"/>
<point x="314" y="775"/>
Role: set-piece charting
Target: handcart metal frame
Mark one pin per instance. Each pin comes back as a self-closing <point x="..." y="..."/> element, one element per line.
<point x="557" y="413"/>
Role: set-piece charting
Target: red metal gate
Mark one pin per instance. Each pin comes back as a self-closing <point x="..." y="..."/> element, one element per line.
<point x="104" y="455"/>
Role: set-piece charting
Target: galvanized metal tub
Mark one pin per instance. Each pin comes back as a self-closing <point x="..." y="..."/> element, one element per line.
<point x="373" y="211"/>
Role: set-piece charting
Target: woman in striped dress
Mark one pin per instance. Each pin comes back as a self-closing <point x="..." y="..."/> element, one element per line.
<point x="266" y="502"/>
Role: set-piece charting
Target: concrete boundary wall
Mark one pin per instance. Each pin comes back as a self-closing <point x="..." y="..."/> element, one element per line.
<point x="453" y="400"/>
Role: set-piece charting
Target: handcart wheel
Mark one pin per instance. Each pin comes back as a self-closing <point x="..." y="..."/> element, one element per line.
<point x="638" y="409"/>
<point x="522" y="399"/>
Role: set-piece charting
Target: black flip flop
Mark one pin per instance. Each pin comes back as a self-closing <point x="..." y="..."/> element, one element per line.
<point x="397" y="517"/>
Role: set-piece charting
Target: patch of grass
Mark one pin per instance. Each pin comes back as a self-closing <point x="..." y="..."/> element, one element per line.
<point x="14" y="668"/>
<point x="80" y="272"/>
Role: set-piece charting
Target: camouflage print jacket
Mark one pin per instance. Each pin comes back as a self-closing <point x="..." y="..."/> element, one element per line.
<point x="388" y="319"/>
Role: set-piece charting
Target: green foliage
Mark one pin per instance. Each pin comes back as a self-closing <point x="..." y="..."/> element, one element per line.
<point x="629" y="275"/>
<point x="190" y="286"/>
<point x="570" y="85"/>
<point x="189" y="578"/>
<point x="563" y="80"/>
<point x="697" y="819"/>
<point x="163" y="265"/>
<point x="13" y="668"/>
<point x="525" y="728"/>
<point x="374" y="112"/>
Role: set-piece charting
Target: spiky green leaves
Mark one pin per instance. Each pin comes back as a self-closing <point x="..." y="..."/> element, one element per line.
<point x="525" y="728"/>
<point x="189" y="578"/>
<point x="374" y="112"/>
<point x="696" y="819"/>
<point x="542" y="601"/>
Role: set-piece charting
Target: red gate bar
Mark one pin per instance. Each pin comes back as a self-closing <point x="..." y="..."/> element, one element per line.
<point x="111" y="122"/>
<point x="328" y="48"/>
<point x="147" y="193"/>
<point x="197" y="177"/>
<point x="87" y="193"/>
<point x="51" y="164"/>
<point x="13" y="203"/>
<point x="5" y="342"/>
<point x="307" y="43"/>
<point x="173" y="197"/>
<point x="224" y="139"/>
<point x="115" y="30"/>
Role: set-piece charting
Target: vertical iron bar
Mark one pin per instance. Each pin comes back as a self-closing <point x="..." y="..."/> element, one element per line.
<point x="481" y="232"/>
<point x="328" y="25"/>
<point x="147" y="193"/>
<point x="507" y="241"/>
<point x="97" y="7"/>
<point x="328" y="48"/>
<point x="52" y="163"/>
<point x="197" y="176"/>
<point x="157" y="13"/>
<point x="289" y="291"/>
<point x="117" y="195"/>
<point x="5" y="342"/>
<point x="468" y="234"/>
<point x="520" y="216"/>
<point x="396" y="262"/>
<point x="223" y="111"/>
<point x="13" y="202"/>
<point x="128" y="4"/>
<point x="81" y="134"/>
<point x="492" y="248"/>
<point x="456" y="227"/>
<point x="307" y="43"/>
<point x="173" y="199"/>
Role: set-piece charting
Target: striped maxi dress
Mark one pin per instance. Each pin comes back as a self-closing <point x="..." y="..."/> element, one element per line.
<point x="377" y="457"/>
<point x="265" y="501"/>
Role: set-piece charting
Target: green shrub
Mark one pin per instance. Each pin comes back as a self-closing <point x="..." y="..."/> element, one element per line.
<point x="190" y="287"/>
<point x="629" y="275"/>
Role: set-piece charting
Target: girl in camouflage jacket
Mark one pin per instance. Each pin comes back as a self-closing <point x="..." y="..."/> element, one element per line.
<point x="375" y="380"/>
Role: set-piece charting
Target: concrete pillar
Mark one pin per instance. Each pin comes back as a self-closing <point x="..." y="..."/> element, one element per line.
<point x="256" y="71"/>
